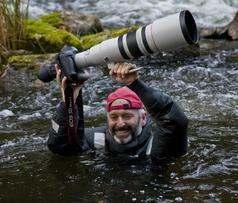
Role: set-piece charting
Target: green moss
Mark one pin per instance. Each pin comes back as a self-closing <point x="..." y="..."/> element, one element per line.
<point x="232" y="58"/>
<point x="29" y="61"/>
<point x="54" y="19"/>
<point x="93" y="39"/>
<point x="45" y="38"/>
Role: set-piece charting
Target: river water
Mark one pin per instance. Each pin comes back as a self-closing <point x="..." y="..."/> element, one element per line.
<point x="203" y="81"/>
<point x="130" y="12"/>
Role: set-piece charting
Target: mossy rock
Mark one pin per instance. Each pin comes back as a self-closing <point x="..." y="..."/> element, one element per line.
<point x="44" y="38"/>
<point x="88" y="41"/>
<point x="74" y="22"/>
<point x="47" y="39"/>
<point x="32" y="61"/>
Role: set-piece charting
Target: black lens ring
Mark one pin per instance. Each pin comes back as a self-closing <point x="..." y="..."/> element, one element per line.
<point x="121" y="48"/>
<point x="132" y="44"/>
<point x="188" y="26"/>
<point x="146" y="45"/>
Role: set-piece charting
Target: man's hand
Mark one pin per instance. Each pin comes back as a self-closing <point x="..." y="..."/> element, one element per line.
<point x="62" y="83"/>
<point x="123" y="72"/>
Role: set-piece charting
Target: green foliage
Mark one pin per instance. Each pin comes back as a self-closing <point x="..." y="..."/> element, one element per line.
<point x="12" y="28"/>
<point x="53" y="19"/>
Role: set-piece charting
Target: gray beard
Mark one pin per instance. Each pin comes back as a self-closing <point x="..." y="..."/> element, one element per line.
<point x="130" y="137"/>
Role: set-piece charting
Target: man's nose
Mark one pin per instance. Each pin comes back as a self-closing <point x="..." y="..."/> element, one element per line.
<point x="120" y="121"/>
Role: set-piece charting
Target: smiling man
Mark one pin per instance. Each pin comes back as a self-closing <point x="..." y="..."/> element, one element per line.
<point x="126" y="115"/>
<point x="141" y="121"/>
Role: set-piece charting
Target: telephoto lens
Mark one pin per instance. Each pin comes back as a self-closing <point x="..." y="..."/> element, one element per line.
<point x="168" y="33"/>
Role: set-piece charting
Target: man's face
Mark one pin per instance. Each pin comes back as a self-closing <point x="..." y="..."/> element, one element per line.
<point x="125" y="124"/>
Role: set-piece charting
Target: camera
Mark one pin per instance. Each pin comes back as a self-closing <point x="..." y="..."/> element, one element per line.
<point x="164" y="34"/>
<point x="168" y="33"/>
<point x="65" y="59"/>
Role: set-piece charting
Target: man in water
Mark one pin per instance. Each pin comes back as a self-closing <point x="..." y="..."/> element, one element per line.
<point x="141" y="121"/>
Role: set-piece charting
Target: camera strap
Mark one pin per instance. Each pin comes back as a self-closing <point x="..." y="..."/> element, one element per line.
<point x="72" y="115"/>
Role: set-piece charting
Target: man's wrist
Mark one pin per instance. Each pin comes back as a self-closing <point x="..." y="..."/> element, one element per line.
<point x="130" y="82"/>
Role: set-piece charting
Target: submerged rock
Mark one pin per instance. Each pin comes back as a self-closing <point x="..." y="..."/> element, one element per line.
<point x="229" y="31"/>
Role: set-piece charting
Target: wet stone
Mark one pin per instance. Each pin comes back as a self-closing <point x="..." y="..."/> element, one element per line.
<point x="6" y="113"/>
<point x="178" y="199"/>
<point x="205" y="187"/>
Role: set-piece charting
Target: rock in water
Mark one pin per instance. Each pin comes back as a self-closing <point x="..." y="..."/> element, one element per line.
<point x="6" y="113"/>
<point x="229" y="31"/>
<point x="81" y="24"/>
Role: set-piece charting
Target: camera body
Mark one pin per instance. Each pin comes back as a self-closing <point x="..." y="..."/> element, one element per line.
<point x="65" y="59"/>
<point x="66" y="62"/>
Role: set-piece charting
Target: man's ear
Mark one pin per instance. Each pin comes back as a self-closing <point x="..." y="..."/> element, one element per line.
<point x="143" y="118"/>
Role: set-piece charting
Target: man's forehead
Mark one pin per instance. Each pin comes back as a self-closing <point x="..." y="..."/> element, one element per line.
<point x="123" y="111"/>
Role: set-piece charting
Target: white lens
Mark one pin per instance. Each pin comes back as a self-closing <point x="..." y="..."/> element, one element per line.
<point x="166" y="33"/>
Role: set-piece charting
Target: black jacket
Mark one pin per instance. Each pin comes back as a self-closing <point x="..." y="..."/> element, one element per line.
<point x="163" y="137"/>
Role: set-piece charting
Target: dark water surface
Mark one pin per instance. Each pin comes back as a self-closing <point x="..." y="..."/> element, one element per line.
<point x="205" y="85"/>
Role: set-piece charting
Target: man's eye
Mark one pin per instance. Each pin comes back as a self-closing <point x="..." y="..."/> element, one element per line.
<point x="113" y="117"/>
<point x="127" y="116"/>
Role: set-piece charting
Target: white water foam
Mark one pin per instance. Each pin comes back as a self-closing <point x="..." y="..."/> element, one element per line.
<point x="6" y="113"/>
<point x="30" y="117"/>
<point x="129" y="12"/>
<point x="23" y="144"/>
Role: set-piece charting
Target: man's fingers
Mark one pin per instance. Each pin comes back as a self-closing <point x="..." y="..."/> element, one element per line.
<point x="58" y="73"/>
<point x="114" y="69"/>
<point x="125" y="69"/>
<point x="63" y="83"/>
<point x="121" y="70"/>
